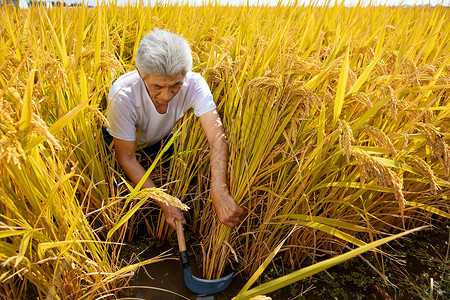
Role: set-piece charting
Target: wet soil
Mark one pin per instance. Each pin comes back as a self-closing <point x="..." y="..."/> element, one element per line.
<point x="417" y="268"/>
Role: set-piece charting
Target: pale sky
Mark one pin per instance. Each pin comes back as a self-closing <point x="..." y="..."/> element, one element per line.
<point x="273" y="2"/>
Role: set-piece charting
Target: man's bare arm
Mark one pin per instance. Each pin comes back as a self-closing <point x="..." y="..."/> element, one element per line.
<point x="228" y="211"/>
<point x="126" y="156"/>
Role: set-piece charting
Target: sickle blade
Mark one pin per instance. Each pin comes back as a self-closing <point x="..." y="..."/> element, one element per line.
<point x="203" y="286"/>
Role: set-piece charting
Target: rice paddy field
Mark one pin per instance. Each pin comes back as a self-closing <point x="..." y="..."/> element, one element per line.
<point x="337" y="119"/>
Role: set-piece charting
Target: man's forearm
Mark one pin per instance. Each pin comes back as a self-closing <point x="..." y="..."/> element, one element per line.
<point x="219" y="163"/>
<point x="228" y="211"/>
<point x="135" y="172"/>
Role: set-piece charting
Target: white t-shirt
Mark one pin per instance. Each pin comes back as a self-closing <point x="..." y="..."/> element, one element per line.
<point x="131" y="110"/>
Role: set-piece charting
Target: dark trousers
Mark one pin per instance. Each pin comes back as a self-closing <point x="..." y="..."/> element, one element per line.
<point x="145" y="155"/>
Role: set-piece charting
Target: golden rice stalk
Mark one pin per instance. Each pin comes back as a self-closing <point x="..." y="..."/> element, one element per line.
<point x="333" y="76"/>
<point x="94" y="109"/>
<point x="108" y="61"/>
<point x="388" y="93"/>
<point x="158" y="194"/>
<point x="293" y="132"/>
<point x="346" y="138"/>
<point x="410" y="71"/>
<point x="426" y="171"/>
<point x="390" y="59"/>
<point x="40" y="128"/>
<point x="365" y="53"/>
<point x="436" y="143"/>
<point x="361" y="98"/>
<point x="428" y="70"/>
<point x="305" y="98"/>
<point x="380" y="138"/>
<point x="310" y="65"/>
<point x="371" y="167"/>
<point x="6" y="108"/>
<point x="11" y="151"/>
<point x="10" y="146"/>
<point x="53" y="69"/>
<point x="265" y="82"/>
<point x="220" y="72"/>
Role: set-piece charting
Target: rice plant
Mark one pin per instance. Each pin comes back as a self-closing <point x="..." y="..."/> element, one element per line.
<point x="337" y="121"/>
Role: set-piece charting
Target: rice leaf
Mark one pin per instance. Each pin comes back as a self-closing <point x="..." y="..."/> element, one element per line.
<point x="342" y="83"/>
<point x="298" y="275"/>
<point x="264" y="265"/>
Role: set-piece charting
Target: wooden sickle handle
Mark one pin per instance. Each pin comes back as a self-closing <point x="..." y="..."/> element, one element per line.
<point x="180" y="236"/>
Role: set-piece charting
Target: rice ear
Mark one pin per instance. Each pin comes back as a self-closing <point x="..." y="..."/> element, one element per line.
<point x="160" y="195"/>
<point x="436" y="142"/>
<point x="373" y="168"/>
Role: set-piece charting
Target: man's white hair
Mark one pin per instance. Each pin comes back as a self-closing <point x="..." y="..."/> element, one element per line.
<point x="163" y="53"/>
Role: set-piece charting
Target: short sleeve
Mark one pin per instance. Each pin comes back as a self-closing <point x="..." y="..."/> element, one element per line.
<point x="122" y="119"/>
<point x="203" y="101"/>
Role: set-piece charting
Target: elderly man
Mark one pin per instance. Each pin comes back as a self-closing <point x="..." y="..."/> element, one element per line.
<point x="145" y="104"/>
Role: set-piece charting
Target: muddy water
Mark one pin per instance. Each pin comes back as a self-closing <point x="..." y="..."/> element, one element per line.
<point x="165" y="280"/>
<point x="425" y="256"/>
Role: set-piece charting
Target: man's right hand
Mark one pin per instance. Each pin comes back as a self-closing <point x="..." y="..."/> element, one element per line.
<point x="172" y="213"/>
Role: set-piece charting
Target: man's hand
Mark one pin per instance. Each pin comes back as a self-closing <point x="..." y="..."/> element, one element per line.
<point x="228" y="211"/>
<point x="172" y="213"/>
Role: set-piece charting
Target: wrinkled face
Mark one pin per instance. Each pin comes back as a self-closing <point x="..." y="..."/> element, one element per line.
<point x="162" y="89"/>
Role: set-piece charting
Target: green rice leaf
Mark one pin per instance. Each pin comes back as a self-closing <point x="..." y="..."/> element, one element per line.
<point x="298" y="275"/>
<point x="327" y="221"/>
<point x="264" y="265"/>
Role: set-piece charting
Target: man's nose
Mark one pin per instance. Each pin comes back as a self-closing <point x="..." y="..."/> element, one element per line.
<point x="166" y="94"/>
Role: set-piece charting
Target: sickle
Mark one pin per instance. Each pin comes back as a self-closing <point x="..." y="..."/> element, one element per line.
<point x="198" y="285"/>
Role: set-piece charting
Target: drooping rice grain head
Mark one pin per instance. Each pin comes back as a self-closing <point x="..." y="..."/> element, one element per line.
<point x="391" y="28"/>
<point x="346" y="138"/>
<point x="41" y="129"/>
<point x="388" y="93"/>
<point x="362" y="98"/>
<point x="381" y="69"/>
<point x="390" y="60"/>
<point x="372" y="168"/>
<point x="293" y="131"/>
<point x="158" y="194"/>
<point x="380" y="138"/>
<point x="53" y="70"/>
<point x="410" y="71"/>
<point x="265" y="82"/>
<point x="10" y="150"/>
<point x="220" y="71"/>
<point x="436" y="142"/>
<point x="427" y="71"/>
<point x="303" y="98"/>
<point x="6" y="107"/>
<point x="426" y="171"/>
<point x="109" y="63"/>
<point x="365" y="54"/>
<point x="10" y="146"/>
<point x="94" y="109"/>
<point x="333" y="77"/>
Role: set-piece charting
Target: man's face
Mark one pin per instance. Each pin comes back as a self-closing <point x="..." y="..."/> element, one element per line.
<point x="162" y="89"/>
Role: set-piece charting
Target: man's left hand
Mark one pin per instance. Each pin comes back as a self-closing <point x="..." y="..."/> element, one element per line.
<point x="228" y="211"/>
